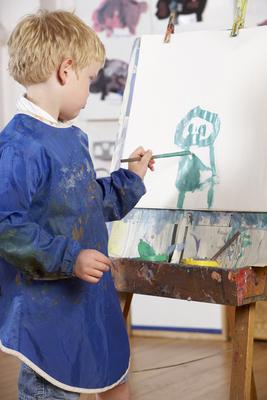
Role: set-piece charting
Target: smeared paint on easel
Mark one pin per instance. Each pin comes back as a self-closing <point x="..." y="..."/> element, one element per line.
<point x="213" y="261"/>
<point x="146" y="252"/>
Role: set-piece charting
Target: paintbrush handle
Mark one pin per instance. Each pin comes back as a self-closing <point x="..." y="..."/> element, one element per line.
<point x="165" y="155"/>
<point x="227" y="244"/>
<point x="131" y="159"/>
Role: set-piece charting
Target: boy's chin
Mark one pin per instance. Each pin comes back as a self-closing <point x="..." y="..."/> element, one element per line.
<point x="65" y="117"/>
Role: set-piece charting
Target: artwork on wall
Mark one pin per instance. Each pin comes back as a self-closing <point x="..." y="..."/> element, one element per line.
<point x="192" y="14"/>
<point x="118" y="23"/>
<point x="111" y="79"/>
<point x="202" y="107"/>
<point x="124" y="14"/>
<point x="181" y="7"/>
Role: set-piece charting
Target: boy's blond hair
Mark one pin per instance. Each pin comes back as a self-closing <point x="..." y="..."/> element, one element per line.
<point x="40" y="42"/>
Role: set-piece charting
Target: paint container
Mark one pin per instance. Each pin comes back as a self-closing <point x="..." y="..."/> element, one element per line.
<point x="201" y="262"/>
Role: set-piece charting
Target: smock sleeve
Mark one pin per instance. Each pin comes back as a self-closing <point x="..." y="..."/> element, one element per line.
<point x="121" y="191"/>
<point x="23" y="242"/>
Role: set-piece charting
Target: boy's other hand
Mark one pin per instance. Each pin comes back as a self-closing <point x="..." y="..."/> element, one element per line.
<point x="140" y="167"/>
<point x="90" y="265"/>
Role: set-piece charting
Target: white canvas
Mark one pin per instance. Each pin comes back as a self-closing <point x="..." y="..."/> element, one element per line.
<point x="203" y="85"/>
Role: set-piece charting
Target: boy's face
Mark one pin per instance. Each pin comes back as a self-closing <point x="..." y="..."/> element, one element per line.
<point x="76" y="90"/>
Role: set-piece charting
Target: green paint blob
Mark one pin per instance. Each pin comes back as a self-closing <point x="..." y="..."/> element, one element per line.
<point x="146" y="252"/>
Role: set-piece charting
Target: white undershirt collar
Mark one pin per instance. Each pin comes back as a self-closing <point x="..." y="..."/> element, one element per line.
<point x="25" y="106"/>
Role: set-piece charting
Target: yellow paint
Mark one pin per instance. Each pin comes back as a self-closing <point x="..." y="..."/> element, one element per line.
<point x="77" y="233"/>
<point x="198" y="262"/>
<point x="116" y="241"/>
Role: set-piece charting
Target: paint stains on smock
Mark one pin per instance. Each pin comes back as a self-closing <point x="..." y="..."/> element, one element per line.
<point x="51" y="207"/>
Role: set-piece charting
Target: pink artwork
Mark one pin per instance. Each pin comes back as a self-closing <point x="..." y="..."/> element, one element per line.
<point x="113" y="14"/>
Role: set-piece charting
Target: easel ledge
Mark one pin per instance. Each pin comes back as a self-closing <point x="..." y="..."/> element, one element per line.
<point x="205" y="284"/>
<point x="240" y="288"/>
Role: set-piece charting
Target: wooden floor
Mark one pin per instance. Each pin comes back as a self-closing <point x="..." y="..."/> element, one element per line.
<point x="169" y="369"/>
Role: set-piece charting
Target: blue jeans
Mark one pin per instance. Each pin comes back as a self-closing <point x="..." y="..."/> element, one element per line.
<point x="32" y="386"/>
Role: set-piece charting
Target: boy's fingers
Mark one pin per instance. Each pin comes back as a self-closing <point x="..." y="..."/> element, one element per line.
<point x="96" y="273"/>
<point x="146" y="157"/>
<point x="100" y="266"/>
<point x="90" y="279"/>
<point x="138" y="152"/>
<point x="102" y="258"/>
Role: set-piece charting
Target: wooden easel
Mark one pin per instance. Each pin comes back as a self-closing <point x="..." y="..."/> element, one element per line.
<point x="240" y="289"/>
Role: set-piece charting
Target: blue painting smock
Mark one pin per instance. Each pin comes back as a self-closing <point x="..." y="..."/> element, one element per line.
<point x="52" y="206"/>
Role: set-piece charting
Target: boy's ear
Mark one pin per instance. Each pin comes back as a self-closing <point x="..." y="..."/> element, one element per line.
<point x="64" y="70"/>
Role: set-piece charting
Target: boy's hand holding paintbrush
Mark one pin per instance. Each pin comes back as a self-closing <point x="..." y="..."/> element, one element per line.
<point x="140" y="160"/>
<point x="143" y="160"/>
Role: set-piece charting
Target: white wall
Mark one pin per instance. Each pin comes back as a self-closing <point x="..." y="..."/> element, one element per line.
<point x="104" y="132"/>
<point x="10" y="13"/>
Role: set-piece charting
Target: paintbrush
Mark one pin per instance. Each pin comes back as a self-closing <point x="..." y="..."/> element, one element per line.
<point x="227" y="244"/>
<point x="164" y="155"/>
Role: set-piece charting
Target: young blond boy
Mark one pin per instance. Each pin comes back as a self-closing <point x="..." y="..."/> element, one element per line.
<point x="59" y="312"/>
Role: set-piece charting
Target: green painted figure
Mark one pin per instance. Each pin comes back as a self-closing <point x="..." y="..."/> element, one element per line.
<point x="198" y="129"/>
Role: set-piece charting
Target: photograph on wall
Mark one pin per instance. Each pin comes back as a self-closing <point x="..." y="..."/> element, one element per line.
<point x="118" y="23"/>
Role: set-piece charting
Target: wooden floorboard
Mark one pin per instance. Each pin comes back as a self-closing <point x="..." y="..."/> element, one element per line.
<point x="168" y="369"/>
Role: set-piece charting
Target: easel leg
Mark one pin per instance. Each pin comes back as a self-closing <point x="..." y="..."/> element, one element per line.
<point x="127" y="305"/>
<point x="125" y="301"/>
<point x="242" y="386"/>
<point x="253" y="387"/>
